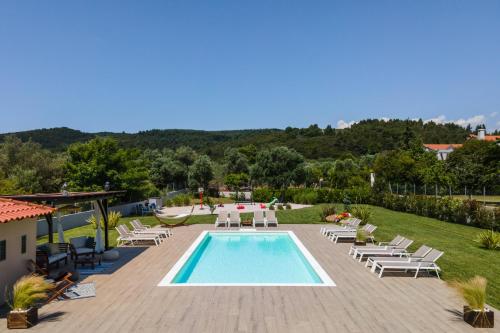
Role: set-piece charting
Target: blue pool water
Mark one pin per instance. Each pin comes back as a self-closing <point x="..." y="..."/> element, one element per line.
<point x="247" y="258"/>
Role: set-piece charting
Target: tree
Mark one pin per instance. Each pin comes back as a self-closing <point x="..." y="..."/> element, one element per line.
<point x="236" y="180"/>
<point x="166" y="171"/>
<point x="250" y="151"/>
<point x="186" y="155"/>
<point x="476" y="165"/>
<point x="90" y="165"/>
<point x="27" y="168"/>
<point x="235" y="162"/>
<point x="278" y="167"/>
<point x="201" y="172"/>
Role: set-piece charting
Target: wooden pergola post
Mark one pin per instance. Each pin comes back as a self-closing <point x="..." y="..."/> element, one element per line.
<point x="103" y="207"/>
<point x="50" y="227"/>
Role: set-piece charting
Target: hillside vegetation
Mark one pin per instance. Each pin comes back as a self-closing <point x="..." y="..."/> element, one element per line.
<point x="366" y="137"/>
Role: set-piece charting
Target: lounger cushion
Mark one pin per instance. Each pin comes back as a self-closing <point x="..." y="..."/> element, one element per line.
<point x="89" y="242"/>
<point x="84" y="250"/>
<point x="53" y="249"/>
<point x="56" y="257"/>
<point x="78" y="241"/>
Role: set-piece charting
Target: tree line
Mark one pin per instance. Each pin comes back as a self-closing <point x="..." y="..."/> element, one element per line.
<point x="26" y="167"/>
<point x="369" y="136"/>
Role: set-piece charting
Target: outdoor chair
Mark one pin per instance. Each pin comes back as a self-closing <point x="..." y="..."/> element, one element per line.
<point x="271" y="218"/>
<point x="141" y="229"/>
<point x="60" y="287"/>
<point x="427" y="263"/>
<point x="82" y="246"/>
<point x="234" y="219"/>
<point x="258" y="218"/>
<point x="368" y="229"/>
<point x="393" y="243"/>
<point x="51" y="253"/>
<point x="222" y="218"/>
<point x="128" y="238"/>
<point x="404" y="257"/>
<point x="397" y="250"/>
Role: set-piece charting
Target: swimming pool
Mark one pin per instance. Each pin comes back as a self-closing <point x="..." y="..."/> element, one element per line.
<point x="257" y="258"/>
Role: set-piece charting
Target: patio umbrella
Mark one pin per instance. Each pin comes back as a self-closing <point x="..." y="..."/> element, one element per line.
<point x="60" y="231"/>
<point x="99" y="246"/>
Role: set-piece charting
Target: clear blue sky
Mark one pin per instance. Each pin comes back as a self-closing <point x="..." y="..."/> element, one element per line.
<point x="135" y="65"/>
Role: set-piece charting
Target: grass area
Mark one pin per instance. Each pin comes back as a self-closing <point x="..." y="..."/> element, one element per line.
<point x="463" y="257"/>
<point x="488" y="198"/>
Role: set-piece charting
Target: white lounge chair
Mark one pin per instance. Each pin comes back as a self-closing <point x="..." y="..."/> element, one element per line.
<point x="140" y="228"/>
<point x="394" y="242"/>
<point x="368" y="229"/>
<point x="350" y="226"/>
<point x="129" y="238"/>
<point x="258" y="218"/>
<point x="428" y="263"/>
<point x="271" y="218"/>
<point x="141" y="232"/>
<point x="222" y="218"/>
<point x="403" y="257"/>
<point x="397" y="250"/>
<point x="234" y="219"/>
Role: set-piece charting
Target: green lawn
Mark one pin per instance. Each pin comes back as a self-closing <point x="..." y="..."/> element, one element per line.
<point x="462" y="259"/>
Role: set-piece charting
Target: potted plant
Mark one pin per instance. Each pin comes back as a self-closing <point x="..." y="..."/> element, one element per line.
<point x="361" y="237"/>
<point x="473" y="291"/>
<point x="26" y="292"/>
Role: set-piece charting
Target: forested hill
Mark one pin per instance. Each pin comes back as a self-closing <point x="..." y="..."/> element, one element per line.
<point x="365" y="137"/>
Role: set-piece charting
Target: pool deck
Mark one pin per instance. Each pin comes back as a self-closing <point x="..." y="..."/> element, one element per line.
<point x="128" y="299"/>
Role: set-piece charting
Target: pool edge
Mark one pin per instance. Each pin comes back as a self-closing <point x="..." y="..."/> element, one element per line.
<point x="166" y="281"/>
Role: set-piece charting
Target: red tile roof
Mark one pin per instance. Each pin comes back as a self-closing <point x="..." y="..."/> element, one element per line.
<point x="11" y="210"/>
<point x="442" y="146"/>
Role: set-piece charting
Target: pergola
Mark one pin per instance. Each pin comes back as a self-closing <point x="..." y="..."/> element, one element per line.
<point x="56" y="199"/>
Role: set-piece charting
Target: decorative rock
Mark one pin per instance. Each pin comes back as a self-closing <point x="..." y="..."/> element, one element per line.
<point x="111" y="255"/>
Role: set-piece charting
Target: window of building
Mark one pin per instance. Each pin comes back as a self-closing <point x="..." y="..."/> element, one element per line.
<point x="23" y="244"/>
<point x="3" y="250"/>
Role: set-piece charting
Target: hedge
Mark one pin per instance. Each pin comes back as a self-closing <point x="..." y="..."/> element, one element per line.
<point x="469" y="212"/>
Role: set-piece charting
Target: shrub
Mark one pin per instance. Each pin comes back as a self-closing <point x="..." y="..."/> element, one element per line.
<point x="92" y="220"/>
<point x="280" y="207"/>
<point x="271" y="207"/>
<point x="361" y="235"/>
<point x="182" y="200"/>
<point x="364" y="213"/>
<point x="113" y="218"/>
<point x="489" y="239"/>
<point x="473" y="291"/>
<point x="29" y="290"/>
<point x="327" y="211"/>
<point x="288" y="206"/>
<point x="169" y="203"/>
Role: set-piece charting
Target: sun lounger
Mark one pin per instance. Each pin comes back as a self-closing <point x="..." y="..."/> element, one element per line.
<point x="352" y="225"/>
<point x="140" y="228"/>
<point x="141" y="232"/>
<point x="145" y="226"/>
<point x="258" y="218"/>
<point x="428" y="263"/>
<point x="394" y="242"/>
<point x="127" y="237"/>
<point x="234" y="219"/>
<point x="61" y="285"/>
<point x="368" y="229"/>
<point x="403" y="257"/>
<point x="271" y="218"/>
<point x="397" y="250"/>
<point x="222" y="218"/>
